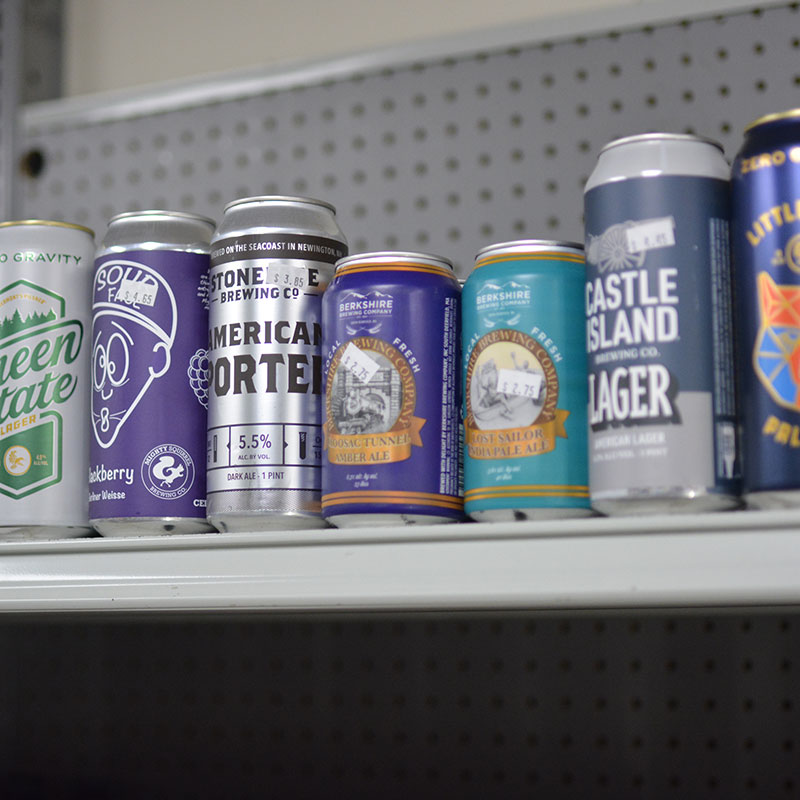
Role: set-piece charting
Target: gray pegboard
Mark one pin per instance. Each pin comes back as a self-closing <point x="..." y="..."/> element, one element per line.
<point x="446" y="154"/>
<point x="602" y="707"/>
<point x="10" y="64"/>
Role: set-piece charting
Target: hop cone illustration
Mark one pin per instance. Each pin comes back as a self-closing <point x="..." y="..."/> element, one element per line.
<point x="198" y="376"/>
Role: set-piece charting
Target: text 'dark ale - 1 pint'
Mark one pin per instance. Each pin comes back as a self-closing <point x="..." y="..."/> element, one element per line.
<point x="45" y="286"/>
<point x="524" y="383"/>
<point x="271" y="260"/>
<point x="766" y="261"/>
<point x="662" y="412"/>
<point x="150" y="375"/>
<point x="391" y="419"/>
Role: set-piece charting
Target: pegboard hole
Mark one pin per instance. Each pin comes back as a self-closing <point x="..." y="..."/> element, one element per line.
<point x="32" y="163"/>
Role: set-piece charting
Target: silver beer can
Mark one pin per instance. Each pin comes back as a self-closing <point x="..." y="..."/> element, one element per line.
<point x="662" y="405"/>
<point x="271" y="260"/>
<point x="45" y="285"/>
<point x="149" y="375"/>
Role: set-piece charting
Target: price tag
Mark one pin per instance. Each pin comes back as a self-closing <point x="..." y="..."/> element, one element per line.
<point x="651" y="235"/>
<point x="137" y="293"/>
<point x="519" y="383"/>
<point x="287" y="275"/>
<point x="359" y="363"/>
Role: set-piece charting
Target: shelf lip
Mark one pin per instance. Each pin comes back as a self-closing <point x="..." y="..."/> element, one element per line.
<point x="735" y="559"/>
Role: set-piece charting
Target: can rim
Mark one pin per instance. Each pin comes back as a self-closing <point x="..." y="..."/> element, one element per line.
<point x="531" y="244"/>
<point x="48" y="223"/>
<point x="152" y="212"/>
<point x="392" y="256"/>
<point x="280" y="198"/>
<point x="791" y="113"/>
<point x="661" y="137"/>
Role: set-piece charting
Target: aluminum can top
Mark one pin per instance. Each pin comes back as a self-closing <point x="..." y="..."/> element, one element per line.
<point x="655" y="154"/>
<point x="523" y="246"/>
<point x="158" y="230"/>
<point x="278" y="199"/>
<point x="792" y="114"/>
<point x="46" y="223"/>
<point x="284" y="214"/>
<point x="392" y="258"/>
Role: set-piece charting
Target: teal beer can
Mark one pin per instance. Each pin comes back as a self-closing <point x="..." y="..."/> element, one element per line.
<point x="525" y="383"/>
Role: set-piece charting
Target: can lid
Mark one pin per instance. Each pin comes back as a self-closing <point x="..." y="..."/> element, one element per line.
<point x="792" y="113"/>
<point x="279" y="198"/>
<point x="158" y="212"/>
<point x="662" y="137"/>
<point x="48" y="223"/>
<point x="527" y="245"/>
<point x="390" y="259"/>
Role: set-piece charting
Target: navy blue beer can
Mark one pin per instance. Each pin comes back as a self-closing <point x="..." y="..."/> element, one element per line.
<point x="766" y="260"/>
<point x="391" y="450"/>
<point x="662" y="401"/>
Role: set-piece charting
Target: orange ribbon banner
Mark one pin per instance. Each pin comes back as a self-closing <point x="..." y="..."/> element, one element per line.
<point x="375" y="448"/>
<point x="534" y="440"/>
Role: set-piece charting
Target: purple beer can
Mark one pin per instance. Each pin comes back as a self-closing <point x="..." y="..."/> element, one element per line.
<point x="150" y="375"/>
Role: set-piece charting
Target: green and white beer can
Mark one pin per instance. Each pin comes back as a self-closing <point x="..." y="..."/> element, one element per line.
<point x="45" y="292"/>
<point x="524" y="383"/>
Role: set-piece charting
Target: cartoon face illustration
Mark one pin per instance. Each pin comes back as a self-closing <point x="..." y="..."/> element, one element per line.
<point x="133" y="330"/>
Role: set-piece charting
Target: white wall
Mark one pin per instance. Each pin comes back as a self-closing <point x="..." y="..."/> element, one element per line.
<point x="113" y="44"/>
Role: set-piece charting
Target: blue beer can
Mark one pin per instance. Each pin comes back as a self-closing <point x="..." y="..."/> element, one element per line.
<point x="524" y="383"/>
<point x="766" y="260"/>
<point x="390" y="335"/>
<point x="662" y="399"/>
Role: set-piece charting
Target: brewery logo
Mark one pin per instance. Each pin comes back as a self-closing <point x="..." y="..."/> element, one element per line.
<point x="364" y="312"/>
<point x="168" y="472"/>
<point x="512" y="392"/>
<point x="502" y="303"/>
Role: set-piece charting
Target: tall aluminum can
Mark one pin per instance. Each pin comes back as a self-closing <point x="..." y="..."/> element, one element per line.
<point x="766" y="259"/>
<point x="271" y="259"/>
<point x="391" y="420"/>
<point x="149" y="375"/>
<point x="524" y="383"/>
<point x="45" y="276"/>
<point x="662" y="406"/>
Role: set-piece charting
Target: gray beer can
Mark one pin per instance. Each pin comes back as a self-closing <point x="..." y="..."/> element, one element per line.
<point x="149" y="375"/>
<point x="271" y="260"/>
<point x="45" y="280"/>
<point x="662" y="413"/>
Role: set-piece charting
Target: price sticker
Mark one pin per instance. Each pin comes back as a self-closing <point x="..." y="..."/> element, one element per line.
<point x="651" y="235"/>
<point x="137" y="293"/>
<point x="359" y="363"/>
<point x="287" y="275"/>
<point x="519" y="383"/>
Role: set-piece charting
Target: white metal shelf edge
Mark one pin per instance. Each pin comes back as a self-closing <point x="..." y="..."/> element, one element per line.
<point x="729" y="560"/>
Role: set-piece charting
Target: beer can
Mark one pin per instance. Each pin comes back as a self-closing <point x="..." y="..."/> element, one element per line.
<point x="271" y="259"/>
<point x="149" y="375"/>
<point x="391" y="418"/>
<point x="44" y="379"/>
<point x="766" y="259"/>
<point x="662" y="406"/>
<point x="524" y="383"/>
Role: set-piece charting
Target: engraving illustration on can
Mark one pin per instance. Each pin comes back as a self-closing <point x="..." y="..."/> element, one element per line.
<point x="271" y="260"/>
<point x="390" y="325"/>
<point x="149" y="397"/>
<point x="766" y="260"/>
<point x="44" y="317"/>
<point x="659" y="327"/>
<point x="524" y="382"/>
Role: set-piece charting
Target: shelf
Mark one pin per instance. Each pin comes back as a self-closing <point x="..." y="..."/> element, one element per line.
<point x="725" y="559"/>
